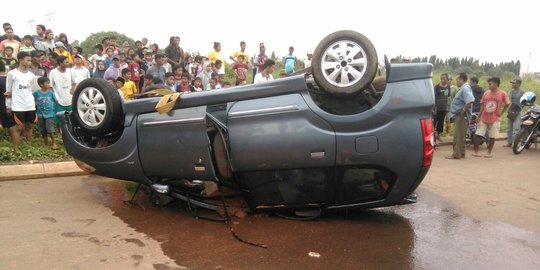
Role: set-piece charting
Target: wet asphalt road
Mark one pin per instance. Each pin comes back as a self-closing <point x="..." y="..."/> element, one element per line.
<point x="83" y="223"/>
<point x="431" y="234"/>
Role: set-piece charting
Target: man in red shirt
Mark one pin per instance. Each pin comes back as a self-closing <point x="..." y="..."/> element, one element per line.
<point x="490" y="114"/>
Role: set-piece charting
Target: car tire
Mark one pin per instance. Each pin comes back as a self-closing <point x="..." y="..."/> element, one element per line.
<point x="344" y="63"/>
<point x="97" y="107"/>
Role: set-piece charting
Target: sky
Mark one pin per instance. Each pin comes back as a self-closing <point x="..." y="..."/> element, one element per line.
<point x="492" y="31"/>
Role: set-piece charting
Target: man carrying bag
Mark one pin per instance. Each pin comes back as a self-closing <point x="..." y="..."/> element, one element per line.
<point x="514" y="112"/>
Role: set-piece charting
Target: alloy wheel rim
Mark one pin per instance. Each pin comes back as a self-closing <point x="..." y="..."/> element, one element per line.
<point x="91" y="106"/>
<point x="344" y="63"/>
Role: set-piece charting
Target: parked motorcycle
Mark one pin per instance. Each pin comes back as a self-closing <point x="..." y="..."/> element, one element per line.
<point x="530" y="127"/>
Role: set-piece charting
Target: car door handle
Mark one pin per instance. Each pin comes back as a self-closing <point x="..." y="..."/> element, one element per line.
<point x="318" y="154"/>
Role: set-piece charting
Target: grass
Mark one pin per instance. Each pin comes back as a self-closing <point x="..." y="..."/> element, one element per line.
<point x="37" y="151"/>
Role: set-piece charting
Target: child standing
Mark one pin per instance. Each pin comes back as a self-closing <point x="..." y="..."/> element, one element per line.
<point x="129" y="87"/>
<point x="45" y="103"/>
<point x="119" y="83"/>
<point x="240" y="69"/>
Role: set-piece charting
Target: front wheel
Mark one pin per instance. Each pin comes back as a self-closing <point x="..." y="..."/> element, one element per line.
<point x="97" y="106"/>
<point x="522" y="139"/>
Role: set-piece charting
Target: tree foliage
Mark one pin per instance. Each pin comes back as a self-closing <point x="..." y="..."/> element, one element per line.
<point x="472" y="66"/>
<point x="96" y="38"/>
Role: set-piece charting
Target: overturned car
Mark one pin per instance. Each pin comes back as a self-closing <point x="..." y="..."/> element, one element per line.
<point x="341" y="134"/>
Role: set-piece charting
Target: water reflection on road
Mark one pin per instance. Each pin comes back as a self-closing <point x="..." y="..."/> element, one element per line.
<point x="431" y="234"/>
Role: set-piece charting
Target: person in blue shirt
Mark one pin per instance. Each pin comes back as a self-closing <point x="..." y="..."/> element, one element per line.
<point x="459" y="110"/>
<point x="290" y="61"/>
<point x="45" y="103"/>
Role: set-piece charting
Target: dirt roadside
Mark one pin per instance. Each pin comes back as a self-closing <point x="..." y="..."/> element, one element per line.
<point x="504" y="188"/>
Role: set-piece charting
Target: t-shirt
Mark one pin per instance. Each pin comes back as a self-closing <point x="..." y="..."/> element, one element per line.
<point x="236" y="54"/>
<point x="44" y="104"/>
<point x="289" y="63"/>
<point x="20" y="85"/>
<point x="240" y="70"/>
<point x="441" y="97"/>
<point x="78" y="74"/>
<point x="492" y="102"/>
<point x="128" y="90"/>
<point x="16" y="45"/>
<point x="61" y="83"/>
<point x="260" y="78"/>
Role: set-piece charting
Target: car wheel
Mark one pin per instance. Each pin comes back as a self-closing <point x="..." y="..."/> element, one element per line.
<point x="344" y="63"/>
<point x="97" y="106"/>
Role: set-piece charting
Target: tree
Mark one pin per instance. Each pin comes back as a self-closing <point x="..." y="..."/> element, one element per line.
<point x="96" y="38"/>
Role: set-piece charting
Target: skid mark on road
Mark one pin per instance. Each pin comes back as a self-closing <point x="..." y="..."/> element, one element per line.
<point x="88" y="220"/>
<point x="135" y="241"/>
<point x="51" y="219"/>
<point x="74" y="234"/>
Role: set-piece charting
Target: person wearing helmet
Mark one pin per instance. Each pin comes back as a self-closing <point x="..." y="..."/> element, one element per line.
<point x="514" y="112"/>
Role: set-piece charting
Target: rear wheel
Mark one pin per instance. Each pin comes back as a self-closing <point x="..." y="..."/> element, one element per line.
<point x="521" y="141"/>
<point x="344" y="63"/>
<point x="97" y="106"/>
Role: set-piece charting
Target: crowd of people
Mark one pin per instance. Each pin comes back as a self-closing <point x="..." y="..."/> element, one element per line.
<point x="458" y="104"/>
<point x="38" y="74"/>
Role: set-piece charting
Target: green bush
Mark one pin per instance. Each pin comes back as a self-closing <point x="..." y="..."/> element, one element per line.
<point x="37" y="151"/>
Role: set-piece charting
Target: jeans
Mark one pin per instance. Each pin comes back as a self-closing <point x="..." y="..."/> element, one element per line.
<point x="512" y="127"/>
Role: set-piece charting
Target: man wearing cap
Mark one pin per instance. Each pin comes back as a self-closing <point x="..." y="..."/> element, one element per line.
<point x="62" y="50"/>
<point x="514" y="112"/>
<point x="114" y="71"/>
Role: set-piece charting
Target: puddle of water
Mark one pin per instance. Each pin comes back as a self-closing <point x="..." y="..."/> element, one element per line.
<point x="431" y="234"/>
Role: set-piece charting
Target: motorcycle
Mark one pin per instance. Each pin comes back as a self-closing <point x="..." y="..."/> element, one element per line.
<point x="529" y="131"/>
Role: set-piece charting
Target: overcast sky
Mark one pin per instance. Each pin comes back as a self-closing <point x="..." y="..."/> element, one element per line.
<point x="490" y="31"/>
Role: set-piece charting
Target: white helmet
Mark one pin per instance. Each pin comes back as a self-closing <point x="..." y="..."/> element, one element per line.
<point x="528" y="98"/>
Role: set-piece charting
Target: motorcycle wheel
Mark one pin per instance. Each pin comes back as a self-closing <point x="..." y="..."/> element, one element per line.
<point x="521" y="140"/>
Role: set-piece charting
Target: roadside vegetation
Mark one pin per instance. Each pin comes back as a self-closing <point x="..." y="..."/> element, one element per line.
<point x="36" y="152"/>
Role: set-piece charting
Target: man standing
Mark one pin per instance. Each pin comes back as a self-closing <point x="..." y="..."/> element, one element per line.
<point x="442" y="91"/>
<point x="158" y="70"/>
<point x="478" y="92"/>
<point x="62" y="85"/>
<point x="174" y="52"/>
<point x="514" y="112"/>
<point x="460" y="107"/>
<point x="79" y="72"/>
<point x="290" y="61"/>
<point x="490" y="114"/>
<point x="21" y="105"/>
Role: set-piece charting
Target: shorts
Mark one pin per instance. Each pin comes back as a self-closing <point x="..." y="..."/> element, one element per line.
<point x="21" y="118"/>
<point x="6" y="120"/>
<point x="492" y="129"/>
<point x="46" y="125"/>
<point x="59" y="108"/>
